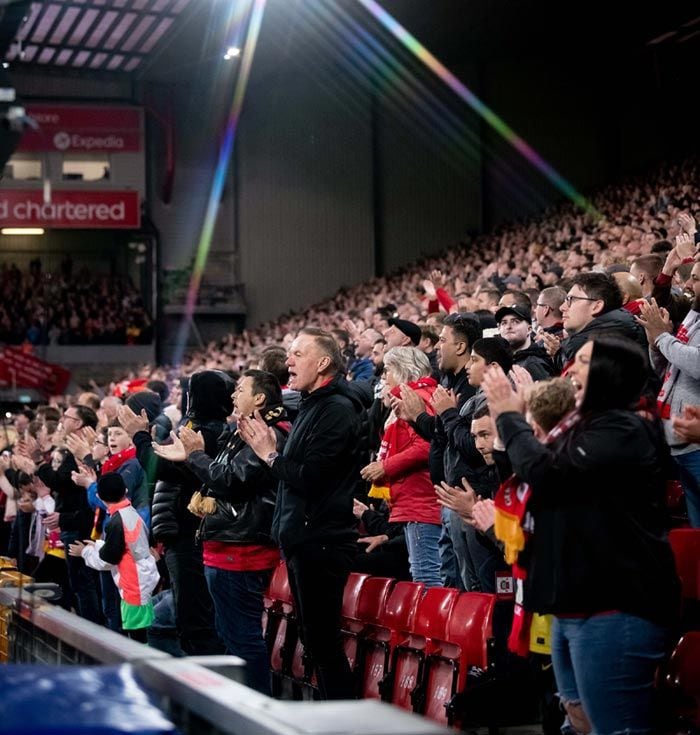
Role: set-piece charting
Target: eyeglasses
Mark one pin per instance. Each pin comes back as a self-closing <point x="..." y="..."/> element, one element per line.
<point x="538" y="304"/>
<point x="568" y="299"/>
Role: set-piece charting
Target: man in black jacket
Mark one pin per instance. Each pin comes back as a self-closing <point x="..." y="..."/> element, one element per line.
<point x="314" y="522"/>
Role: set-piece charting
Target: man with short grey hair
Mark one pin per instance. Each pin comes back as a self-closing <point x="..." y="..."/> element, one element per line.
<point x="314" y="523"/>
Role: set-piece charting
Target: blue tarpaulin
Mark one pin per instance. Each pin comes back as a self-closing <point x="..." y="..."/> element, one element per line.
<point x="77" y="700"/>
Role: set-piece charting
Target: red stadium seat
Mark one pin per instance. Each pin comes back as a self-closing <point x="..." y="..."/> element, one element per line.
<point x="685" y="543"/>
<point x="683" y="682"/>
<point x="373" y="599"/>
<point x="352" y="626"/>
<point x="393" y="621"/>
<point x="281" y="624"/>
<point x="408" y="657"/>
<point x="278" y="594"/>
<point x="466" y="644"/>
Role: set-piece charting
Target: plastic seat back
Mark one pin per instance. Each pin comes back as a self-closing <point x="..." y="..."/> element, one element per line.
<point x="685" y="543"/>
<point x="351" y="595"/>
<point x="466" y="643"/>
<point x="393" y="622"/>
<point x="373" y="598"/>
<point x="430" y="621"/>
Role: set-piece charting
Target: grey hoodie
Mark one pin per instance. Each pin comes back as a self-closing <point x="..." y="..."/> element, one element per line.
<point x="681" y="387"/>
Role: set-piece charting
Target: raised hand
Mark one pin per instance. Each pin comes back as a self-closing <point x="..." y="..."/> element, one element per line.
<point x="84" y="477"/>
<point x="654" y="319"/>
<point x="443" y="399"/>
<point x="499" y="393"/>
<point x="131" y="422"/>
<point x="551" y="343"/>
<point x="438" y="278"/>
<point x="687" y="223"/>
<point x="483" y="515"/>
<point x="77" y="445"/>
<point x="192" y="440"/>
<point x="459" y="499"/>
<point x="410" y="406"/>
<point x="257" y="435"/>
<point x="174" y="452"/>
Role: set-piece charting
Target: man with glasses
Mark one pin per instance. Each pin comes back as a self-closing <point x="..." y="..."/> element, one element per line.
<point x="548" y="311"/>
<point x="593" y="305"/>
<point x="73" y="515"/>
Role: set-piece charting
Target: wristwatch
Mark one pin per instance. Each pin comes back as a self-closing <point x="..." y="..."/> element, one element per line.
<point x="271" y="457"/>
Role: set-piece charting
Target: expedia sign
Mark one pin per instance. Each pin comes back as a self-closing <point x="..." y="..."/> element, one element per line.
<point x="70" y="209"/>
<point x="84" y="129"/>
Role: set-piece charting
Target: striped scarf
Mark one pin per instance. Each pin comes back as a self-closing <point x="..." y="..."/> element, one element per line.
<point x="514" y="526"/>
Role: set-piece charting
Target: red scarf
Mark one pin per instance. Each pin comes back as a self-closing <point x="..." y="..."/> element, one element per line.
<point x="514" y="526"/>
<point x="391" y="427"/>
<point x="115" y="461"/>
<point x="111" y="464"/>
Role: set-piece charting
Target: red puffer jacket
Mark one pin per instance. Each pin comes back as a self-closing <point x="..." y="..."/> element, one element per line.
<point x="404" y="456"/>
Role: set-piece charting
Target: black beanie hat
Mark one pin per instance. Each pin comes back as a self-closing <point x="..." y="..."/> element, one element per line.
<point x="111" y="487"/>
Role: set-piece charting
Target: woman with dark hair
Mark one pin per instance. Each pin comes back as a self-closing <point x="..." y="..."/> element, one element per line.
<point x="598" y="557"/>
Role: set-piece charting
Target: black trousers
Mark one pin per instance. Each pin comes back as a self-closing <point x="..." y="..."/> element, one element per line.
<point x="317" y="576"/>
<point x="194" y="609"/>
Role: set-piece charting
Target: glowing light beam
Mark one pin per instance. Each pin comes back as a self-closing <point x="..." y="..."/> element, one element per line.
<point x="464" y="93"/>
<point x="219" y="180"/>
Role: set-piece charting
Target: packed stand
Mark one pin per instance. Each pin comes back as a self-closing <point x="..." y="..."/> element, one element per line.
<point x="70" y="308"/>
<point x="520" y="421"/>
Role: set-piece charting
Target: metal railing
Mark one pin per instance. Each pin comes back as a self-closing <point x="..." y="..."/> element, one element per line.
<point x="202" y="695"/>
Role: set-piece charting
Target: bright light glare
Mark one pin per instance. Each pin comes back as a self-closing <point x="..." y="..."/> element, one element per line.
<point x="232" y="52"/>
<point x="22" y="231"/>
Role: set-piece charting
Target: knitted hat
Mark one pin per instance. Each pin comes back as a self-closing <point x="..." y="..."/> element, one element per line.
<point x="111" y="487"/>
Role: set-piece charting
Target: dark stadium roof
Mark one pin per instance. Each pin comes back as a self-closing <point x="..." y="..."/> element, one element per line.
<point x="167" y="38"/>
<point x="111" y="35"/>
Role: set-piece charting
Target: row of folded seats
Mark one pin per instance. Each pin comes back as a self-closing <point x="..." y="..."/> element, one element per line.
<point x="415" y="647"/>
<point x="406" y="644"/>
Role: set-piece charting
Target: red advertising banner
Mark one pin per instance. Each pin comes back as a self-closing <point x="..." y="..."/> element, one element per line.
<point x="23" y="370"/>
<point x="70" y="209"/>
<point x="79" y="129"/>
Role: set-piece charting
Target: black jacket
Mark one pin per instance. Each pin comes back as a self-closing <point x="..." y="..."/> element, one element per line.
<point x="599" y="540"/>
<point x="444" y="457"/>
<point x="536" y="361"/>
<point x="76" y="515"/>
<point x="462" y="459"/>
<point x="242" y="485"/>
<point x="209" y="405"/>
<point x="615" y="323"/>
<point x="318" y="470"/>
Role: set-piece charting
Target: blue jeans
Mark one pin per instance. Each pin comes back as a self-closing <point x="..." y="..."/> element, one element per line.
<point x="238" y="609"/>
<point x="607" y="663"/>
<point x="689" y="465"/>
<point x="83" y="581"/>
<point x="452" y="547"/>
<point x="423" y="552"/>
<point x="111" y="602"/>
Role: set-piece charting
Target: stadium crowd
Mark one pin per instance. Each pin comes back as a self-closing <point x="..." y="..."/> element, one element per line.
<point x="518" y="406"/>
<point x="70" y="308"/>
